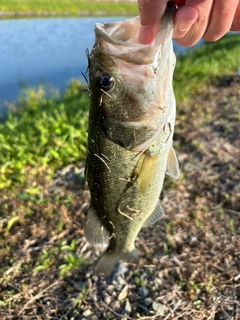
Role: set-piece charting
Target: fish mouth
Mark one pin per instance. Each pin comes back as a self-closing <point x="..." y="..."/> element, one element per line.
<point x="120" y="40"/>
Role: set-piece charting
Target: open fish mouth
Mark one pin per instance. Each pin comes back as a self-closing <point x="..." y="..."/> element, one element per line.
<point x="120" y="40"/>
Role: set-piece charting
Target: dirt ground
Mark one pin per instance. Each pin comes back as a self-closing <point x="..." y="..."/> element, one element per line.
<point x="190" y="260"/>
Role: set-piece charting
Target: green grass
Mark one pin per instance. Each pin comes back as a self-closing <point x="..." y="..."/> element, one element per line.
<point x="45" y="134"/>
<point x="63" y="7"/>
<point x="199" y="68"/>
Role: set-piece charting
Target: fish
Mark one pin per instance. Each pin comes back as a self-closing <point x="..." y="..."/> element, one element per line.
<point x="130" y="135"/>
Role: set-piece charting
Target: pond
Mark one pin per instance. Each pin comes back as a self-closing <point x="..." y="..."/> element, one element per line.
<point x="44" y="50"/>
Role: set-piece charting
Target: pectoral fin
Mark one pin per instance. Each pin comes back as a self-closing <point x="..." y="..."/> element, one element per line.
<point x="155" y="216"/>
<point x="147" y="171"/>
<point x="95" y="231"/>
<point x="172" y="164"/>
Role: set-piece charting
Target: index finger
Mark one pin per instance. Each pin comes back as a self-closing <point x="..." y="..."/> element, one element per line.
<point x="151" y="12"/>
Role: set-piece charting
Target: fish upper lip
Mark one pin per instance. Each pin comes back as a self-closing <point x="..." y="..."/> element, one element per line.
<point x="100" y="31"/>
<point x="120" y="40"/>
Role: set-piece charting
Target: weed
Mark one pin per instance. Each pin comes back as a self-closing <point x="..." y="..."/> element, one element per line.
<point x="197" y="304"/>
<point x="72" y="247"/>
<point x="72" y="262"/>
<point x="46" y="260"/>
<point x="182" y="284"/>
<point x="198" y="224"/>
<point x="79" y="300"/>
<point x="196" y="286"/>
<point x="11" y="222"/>
<point x="231" y="227"/>
<point x="210" y="283"/>
<point x="139" y="282"/>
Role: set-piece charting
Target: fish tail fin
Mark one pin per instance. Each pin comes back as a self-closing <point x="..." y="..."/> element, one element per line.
<point x="107" y="263"/>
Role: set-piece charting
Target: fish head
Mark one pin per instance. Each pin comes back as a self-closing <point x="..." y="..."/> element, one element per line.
<point x="130" y="82"/>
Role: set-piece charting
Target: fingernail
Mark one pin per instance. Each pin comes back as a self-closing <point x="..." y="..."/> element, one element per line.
<point x="145" y="34"/>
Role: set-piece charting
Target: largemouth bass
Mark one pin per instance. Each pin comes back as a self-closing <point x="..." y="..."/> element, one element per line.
<point x="131" y="124"/>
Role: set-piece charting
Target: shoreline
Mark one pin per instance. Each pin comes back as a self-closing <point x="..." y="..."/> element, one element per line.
<point x="63" y="8"/>
<point x="53" y="14"/>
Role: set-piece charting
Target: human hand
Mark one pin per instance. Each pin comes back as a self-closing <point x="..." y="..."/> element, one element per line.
<point x="194" y="19"/>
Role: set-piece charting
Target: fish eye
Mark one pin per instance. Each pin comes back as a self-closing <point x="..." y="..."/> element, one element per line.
<point x="105" y="82"/>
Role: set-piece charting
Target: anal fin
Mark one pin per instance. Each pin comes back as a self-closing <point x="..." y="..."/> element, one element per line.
<point x="95" y="231"/>
<point x="157" y="214"/>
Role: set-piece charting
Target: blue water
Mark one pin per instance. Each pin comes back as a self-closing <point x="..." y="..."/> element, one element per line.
<point x="49" y="50"/>
<point x="36" y="50"/>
